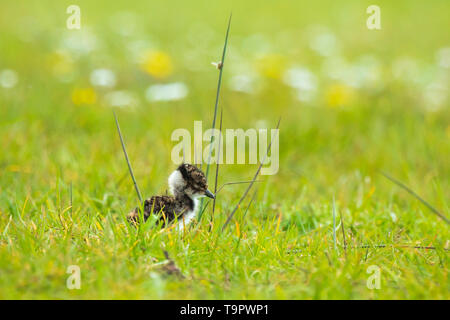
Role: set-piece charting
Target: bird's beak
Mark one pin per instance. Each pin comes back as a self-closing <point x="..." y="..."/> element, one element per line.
<point x="209" y="194"/>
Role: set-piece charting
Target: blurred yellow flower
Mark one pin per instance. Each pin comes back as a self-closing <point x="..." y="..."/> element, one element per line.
<point x="338" y="95"/>
<point x="18" y="168"/>
<point x="60" y="63"/>
<point x="271" y="66"/>
<point x="158" y="64"/>
<point x="84" y="96"/>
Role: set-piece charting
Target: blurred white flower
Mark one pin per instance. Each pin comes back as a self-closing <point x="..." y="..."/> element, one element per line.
<point x="300" y="78"/>
<point x="305" y="96"/>
<point x="103" y="78"/>
<point x="366" y="72"/>
<point x="257" y="43"/>
<point x="406" y="69"/>
<point x="261" y="124"/>
<point x="322" y="41"/>
<point x="393" y="216"/>
<point x="79" y="43"/>
<point x="369" y="71"/>
<point x="8" y="78"/>
<point x="303" y="80"/>
<point x="335" y="68"/>
<point x="443" y="57"/>
<point x="242" y="83"/>
<point x="121" y="98"/>
<point x="138" y="50"/>
<point x="435" y="95"/>
<point x="166" y="92"/>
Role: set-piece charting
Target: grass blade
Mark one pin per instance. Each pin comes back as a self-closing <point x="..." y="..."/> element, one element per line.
<point x="219" y="84"/>
<point x="343" y="234"/>
<point x="429" y="206"/>
<point x="249" y="204"/>
<point x="235" y="182"/>
<point x="128" y="160"/>
<point x="71" y="197"/>
<point x="217" y="164"/>
<point x="251" y="183"/>
<point x="404" y="246"/>
<point x="334" y="224"/>
<point x="216" y="105"/>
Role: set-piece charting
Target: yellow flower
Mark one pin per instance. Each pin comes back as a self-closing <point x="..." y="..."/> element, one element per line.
<point x="339" y="95"/>
<point x="158" y="64"/>
<point x="84" y="96"/>
<point x="61" y="64"/>
<point x="18" y="168"/>
<point x="271" y="66"/>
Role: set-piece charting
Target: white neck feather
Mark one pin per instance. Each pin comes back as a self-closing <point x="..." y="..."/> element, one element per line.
<point x="176" y="185"/>
<point x="176" y="182"/>
<point x="187" y="218"/>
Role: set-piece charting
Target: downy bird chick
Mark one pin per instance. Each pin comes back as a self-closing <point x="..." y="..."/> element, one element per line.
<point x="187" y="183"/>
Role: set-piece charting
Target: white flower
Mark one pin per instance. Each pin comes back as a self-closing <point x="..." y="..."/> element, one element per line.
<point x="8" y="78"/>
<point x="443" y="57"/>
<point x="261" y="124"/>
<point x="393" y="216"/>
<point x="300" y="78"/>
<point x="303" y="80"/>
<point x="435" y="95"/>
<point x="305" y="96"/>
<point x="218" y="65"/>
<point x="166" y="92"/>
<point x="121" y="99"/>
<point x="335" y="68"/>
<point x="103" y="78"/>
<point x="242" y="83"/>
<point x="80" y="43"/>
<point x="406" y="69"/>
<point x="323" y="41"/>
<point x="366" y="72"/>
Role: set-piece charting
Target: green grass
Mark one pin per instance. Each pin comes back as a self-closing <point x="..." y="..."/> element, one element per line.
<point x="280" y="247"/>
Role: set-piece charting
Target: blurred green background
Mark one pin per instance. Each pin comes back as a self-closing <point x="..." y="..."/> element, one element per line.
<point x="350" y="98"/>
<point x="352" y="101"/>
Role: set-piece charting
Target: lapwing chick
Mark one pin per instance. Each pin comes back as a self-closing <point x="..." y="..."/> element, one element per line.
<point x="187" y="184"/>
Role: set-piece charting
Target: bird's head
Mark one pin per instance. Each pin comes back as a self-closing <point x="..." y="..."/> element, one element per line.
<point x="190" y="180"/>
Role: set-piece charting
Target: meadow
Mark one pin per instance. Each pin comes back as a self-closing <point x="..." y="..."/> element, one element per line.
<point x="353" y="103"/>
